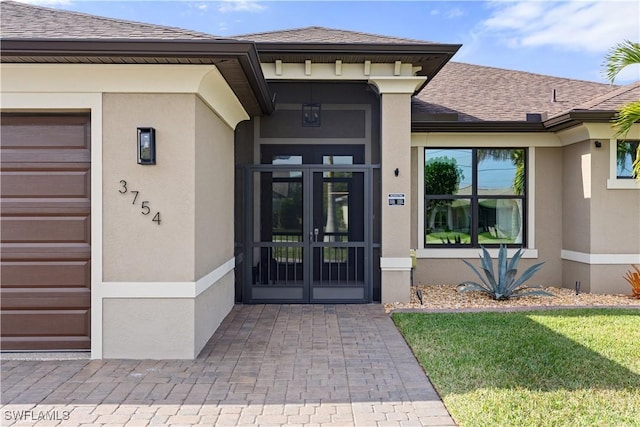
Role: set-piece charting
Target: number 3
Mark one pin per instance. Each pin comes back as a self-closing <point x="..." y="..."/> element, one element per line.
<point x="124" y="187"/>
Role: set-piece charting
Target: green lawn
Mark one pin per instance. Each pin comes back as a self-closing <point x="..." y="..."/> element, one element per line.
<point x="541" y="368"/>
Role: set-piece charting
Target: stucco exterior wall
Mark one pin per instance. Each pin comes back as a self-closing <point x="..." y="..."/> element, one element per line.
<point x="395" y="220"/>
<point x="185" y="264"/>
<point x="549" y="221"/>
<point x="148" y="328"/>
<point x="615" y="214"/>
<point x="573" y="272"/>
<point x="136" y="249"/>
<point x="214" y="197"/>
<point x="576" y="203"/>
<point x="214" y="219"/>
<point x="211" y="307"/>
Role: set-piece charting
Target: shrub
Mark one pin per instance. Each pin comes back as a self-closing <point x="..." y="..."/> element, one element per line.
<point x="634" y="280"/>
<point x="505" y="284"/>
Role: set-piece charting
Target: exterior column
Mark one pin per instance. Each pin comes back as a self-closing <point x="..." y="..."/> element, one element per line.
<point x="395" y="261"/>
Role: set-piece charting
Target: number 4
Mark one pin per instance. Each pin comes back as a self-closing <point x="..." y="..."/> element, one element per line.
<point x="156" y="218"/>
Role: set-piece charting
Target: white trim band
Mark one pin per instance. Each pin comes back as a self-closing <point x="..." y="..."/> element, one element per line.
<point x="600" y="259"/>
<point x="395" y="264"/>
<point x="461" y="253"/>
<point x="166" y="289"/>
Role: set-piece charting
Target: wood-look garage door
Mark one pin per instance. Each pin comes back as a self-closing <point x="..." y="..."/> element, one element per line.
<point x="46" y="229"/>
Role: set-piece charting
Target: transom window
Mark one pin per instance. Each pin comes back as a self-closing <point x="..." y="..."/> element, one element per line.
<point x="625" y="156"/>
<point x="475" y="196"/>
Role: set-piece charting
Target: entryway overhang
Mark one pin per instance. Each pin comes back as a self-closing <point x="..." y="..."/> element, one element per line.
<point x="353" y="62"/>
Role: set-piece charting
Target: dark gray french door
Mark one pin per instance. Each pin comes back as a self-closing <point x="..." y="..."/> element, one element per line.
<point x="308" y="239"/>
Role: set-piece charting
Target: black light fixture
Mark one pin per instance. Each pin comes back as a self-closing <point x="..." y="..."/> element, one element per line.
<point x="598" y="144"/>
<point x="310" y="115"/>
<point x="311" y="111"/>
<point x="396" y="172"/>
<point x="146" y="146"/>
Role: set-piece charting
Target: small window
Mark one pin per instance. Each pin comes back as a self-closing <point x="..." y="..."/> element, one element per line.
<point x="625" y="157"/>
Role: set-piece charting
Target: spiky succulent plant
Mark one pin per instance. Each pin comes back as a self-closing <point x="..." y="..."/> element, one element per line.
<point x="505" y="284"/>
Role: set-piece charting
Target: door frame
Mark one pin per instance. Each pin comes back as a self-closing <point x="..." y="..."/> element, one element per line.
<point x="308" y="173"/>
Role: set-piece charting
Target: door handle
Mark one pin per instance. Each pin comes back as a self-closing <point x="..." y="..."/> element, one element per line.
<point x="313" y="235"/>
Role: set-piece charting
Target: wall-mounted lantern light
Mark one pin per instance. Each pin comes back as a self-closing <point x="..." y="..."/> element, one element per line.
<point x="598" y="144"/>
<point x="310" y="115"/>
<point x="146" y="146"/>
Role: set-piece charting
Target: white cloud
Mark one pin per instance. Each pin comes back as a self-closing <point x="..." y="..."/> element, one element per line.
<point x="240" y="6"/>
<point x="455" y="12"/>
<point x="592" y="26"/>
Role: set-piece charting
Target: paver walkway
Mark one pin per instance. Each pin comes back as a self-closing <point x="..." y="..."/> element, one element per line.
<point x="267" y="365"/>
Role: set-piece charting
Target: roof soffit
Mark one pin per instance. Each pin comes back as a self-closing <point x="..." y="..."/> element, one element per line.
<point x="237" y="61"/>
<point x="424" y="60"/>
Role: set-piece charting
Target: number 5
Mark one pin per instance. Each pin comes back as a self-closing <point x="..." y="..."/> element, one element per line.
<point x="145" y="208"/>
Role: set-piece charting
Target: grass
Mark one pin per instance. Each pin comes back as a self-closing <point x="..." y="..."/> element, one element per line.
<point x="576" y="367"/>
<point x="483" y="238"/>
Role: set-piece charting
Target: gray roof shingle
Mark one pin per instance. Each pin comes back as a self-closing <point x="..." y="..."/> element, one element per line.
<point x="480" y="93"/>
<point x="24" y="21"/>
<point x="613" y="99"/>
<point x="325" y="35"/>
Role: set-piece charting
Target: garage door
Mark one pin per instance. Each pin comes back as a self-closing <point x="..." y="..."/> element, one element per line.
<point x="46" y="229"/>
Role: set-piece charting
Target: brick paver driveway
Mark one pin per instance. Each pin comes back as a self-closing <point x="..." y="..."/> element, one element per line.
<point x="305" y="365"/>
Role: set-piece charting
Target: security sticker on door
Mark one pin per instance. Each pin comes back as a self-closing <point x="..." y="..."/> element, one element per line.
<point x="396" y="199"/>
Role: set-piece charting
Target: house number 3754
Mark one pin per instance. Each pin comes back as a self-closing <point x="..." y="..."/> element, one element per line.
<point x="145" y="209"/>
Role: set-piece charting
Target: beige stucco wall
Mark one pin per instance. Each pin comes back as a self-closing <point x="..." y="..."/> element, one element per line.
<point x="615" y="214"/>
<point x="573" y="272"/>
<point x="192" y="187"/>
<point x="601" y="222"/>
<point x="214" y="219"/>
<point x="211" y="307"/>
<point x="396" y="153"/>
<point x="148" y="328"/>
<point x="395" y="220"/>
<point x="136" y="249"/>
<point x="214" y="197"/>
<point x="549" y="221"/>
<point x="576" y="206"/>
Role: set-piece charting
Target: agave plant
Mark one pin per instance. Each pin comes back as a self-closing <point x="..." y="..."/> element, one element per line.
<point x="634" y="280"/>
<point x="505" y="284"/>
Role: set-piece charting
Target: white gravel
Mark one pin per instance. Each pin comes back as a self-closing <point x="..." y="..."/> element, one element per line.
<point x="446" y="297"/>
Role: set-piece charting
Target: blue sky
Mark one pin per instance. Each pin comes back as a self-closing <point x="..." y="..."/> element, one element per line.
<point x="559" y="38"/>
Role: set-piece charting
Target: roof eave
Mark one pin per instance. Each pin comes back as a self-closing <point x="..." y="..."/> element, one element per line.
<point x="576" y="117"/>
<point x="417" y="51"/>
<point x="15" y="49"/>
<point x="485" y="126"/>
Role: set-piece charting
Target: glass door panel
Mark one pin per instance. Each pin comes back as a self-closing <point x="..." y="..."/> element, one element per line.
<point x="278" y="255"/>
<point x="338" y="235"/>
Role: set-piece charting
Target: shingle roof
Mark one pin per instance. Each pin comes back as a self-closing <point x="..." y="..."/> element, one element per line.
<point x="472" y="93"/>
<point x="325" y="35"/>
<point x="480" y="93"/>
<point x="24" y="21"/>
<point x="613" y="99"/>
